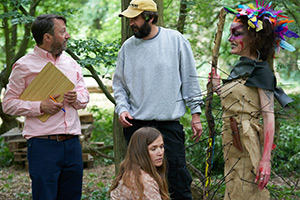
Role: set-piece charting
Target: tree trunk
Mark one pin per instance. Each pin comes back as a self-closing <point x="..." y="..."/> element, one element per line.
<point x="182" y="16"/>
<point x="126" y="30"/>
<point x="119" y="143"/>
<point x="160" y="11"/>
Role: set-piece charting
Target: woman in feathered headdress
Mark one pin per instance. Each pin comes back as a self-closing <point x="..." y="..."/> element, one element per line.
<point x="247" y="94"/>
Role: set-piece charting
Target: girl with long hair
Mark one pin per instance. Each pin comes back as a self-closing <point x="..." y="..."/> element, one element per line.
<point x="142" y="172"/>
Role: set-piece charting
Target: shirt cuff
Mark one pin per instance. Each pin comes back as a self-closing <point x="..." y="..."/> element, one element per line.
<point x="196" y="110"/>
<point x="36" y="108"/>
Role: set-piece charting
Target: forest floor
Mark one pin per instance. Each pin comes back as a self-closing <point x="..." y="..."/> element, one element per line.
<point x="15" y="181"/>
<point x="15" y="184"/>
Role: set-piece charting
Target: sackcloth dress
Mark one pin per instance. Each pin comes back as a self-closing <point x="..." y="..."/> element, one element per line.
<point x="240" y="99"/>
<point x="242" y="103"/>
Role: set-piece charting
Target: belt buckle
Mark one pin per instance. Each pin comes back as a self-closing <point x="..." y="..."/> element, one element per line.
<point x="57" y="139"/>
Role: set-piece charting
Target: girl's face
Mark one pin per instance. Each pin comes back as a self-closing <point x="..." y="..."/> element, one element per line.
<point x="156" y="151"/>
<point x="238" y="39"/>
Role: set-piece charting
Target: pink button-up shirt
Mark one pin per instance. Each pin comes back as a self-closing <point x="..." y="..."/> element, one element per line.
<point x="24" y="71"/>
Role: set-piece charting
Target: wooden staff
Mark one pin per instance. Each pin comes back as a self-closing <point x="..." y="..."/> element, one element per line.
<point x="208" y="105"/>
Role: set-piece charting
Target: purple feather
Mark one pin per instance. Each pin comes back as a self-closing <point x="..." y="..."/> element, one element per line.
<point x="291" y="34"/>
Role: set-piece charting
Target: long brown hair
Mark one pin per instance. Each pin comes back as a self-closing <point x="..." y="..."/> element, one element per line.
<point x="137" y="158"/>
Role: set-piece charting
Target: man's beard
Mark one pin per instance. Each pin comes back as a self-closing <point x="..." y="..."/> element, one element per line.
<point x="57" y="48"/>
<point x="143" y="31"/>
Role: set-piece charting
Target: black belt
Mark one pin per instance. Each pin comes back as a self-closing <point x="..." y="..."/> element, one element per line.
<point x="58" y="138"/>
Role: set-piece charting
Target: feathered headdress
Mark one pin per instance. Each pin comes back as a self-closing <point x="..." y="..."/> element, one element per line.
<point x="255" y="15"/>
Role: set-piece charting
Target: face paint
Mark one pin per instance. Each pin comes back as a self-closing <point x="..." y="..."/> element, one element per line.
<point x="269" y="137"/>
<point x="236" y="33"/>
<point x="242" y="44"/>
<point x="238" y="40"/>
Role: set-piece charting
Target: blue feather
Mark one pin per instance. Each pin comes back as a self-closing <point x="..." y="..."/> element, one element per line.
<point x="283" y="44"/>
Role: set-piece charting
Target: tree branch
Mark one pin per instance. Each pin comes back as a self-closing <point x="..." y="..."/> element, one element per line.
<point x="22" y="9"/>
<point x="34" y="4"/>
<point x="208" y="105"/>
<point x="94" y="74"/>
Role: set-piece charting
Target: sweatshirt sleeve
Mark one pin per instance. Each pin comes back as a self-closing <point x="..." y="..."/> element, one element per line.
<point x="121" y="94"/>
<point x="191" y="91"/>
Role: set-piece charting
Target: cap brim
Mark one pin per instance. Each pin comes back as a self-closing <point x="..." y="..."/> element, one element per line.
<point x="130" y="13"/>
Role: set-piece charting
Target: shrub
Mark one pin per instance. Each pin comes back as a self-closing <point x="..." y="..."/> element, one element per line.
<point x="6" y="157"/>
<point x="103" y="122"/>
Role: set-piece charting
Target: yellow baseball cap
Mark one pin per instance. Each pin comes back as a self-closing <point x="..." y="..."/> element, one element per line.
<point x="136" y="7"/>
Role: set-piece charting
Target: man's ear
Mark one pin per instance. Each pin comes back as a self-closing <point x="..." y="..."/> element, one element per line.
<point x="47" y="37"/>
<point x="150" y="19"/>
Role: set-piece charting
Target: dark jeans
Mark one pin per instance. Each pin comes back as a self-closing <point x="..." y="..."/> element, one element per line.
<point x="179" y="178"/>
<point x="55" y="169"/>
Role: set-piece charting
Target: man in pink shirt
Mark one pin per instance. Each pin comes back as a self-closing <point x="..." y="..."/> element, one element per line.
<point x="54" y="151"/>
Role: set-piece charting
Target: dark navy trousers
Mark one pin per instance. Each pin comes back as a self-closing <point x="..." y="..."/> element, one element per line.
<point x="55" y="168"/>
<point x="179" y="178"/>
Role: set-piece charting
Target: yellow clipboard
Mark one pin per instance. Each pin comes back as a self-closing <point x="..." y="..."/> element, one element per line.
<point x="50" y="81"/>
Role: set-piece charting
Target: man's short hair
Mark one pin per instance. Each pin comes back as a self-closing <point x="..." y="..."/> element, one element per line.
<point x="147" y="15"/>
<point x="44" y="24"/>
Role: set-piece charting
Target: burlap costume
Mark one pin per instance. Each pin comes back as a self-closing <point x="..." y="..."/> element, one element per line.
<point x="240" y="99"/>
<point x="243" y="104"/>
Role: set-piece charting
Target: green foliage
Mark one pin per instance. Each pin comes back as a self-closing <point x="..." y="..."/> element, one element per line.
<point x="16" y="17"/>
<point x="24" y="195"/>
<point x="284" y="192"/>
<point x="287" y="153"/>
<point x="58" y="7"/>
<point x="100" y="193"/>
<point x="286" y="156"/>
<point x="98" y="54"/>
<point x="103" y="130"/>
<point x="103" y="125"/>
<point x="99" y="20"/>
<point x="16" y="3"/>
<point x="8" y="185"/>
<point x="6" y="157"/>
<point x="8" y="181"/>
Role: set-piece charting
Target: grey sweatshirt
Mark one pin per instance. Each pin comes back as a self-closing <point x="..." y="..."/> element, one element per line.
<point x="155" y="79"/>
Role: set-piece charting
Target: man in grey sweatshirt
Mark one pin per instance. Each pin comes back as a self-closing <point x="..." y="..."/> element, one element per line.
<point x="154" y="81"/>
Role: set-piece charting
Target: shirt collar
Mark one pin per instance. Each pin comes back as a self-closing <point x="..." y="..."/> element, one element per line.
<point x="44" y="54"/>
